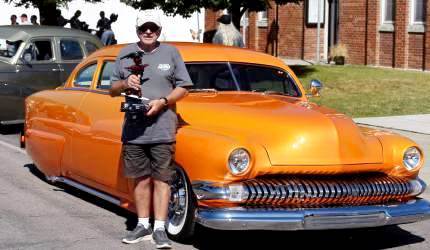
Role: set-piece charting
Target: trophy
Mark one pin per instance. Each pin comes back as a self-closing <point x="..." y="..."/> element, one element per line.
<point x="137" y="106"/>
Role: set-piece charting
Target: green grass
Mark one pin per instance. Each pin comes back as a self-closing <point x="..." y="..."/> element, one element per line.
<point x="361" y="91"/>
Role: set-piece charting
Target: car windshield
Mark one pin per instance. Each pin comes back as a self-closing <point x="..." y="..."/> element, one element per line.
<point x="8" y="48"/>
<point x="242" y="77"/>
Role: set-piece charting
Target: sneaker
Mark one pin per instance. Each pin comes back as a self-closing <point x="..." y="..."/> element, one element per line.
<point x="159" y="238"/>
<point x="140" y="233"/>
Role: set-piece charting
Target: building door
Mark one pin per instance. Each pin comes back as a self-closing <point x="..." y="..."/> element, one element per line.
<point x="333" y="22"/>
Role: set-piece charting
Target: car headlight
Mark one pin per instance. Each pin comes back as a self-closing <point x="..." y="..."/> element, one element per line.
<point x="239" y="161"/>
<point x="411" y="158"/>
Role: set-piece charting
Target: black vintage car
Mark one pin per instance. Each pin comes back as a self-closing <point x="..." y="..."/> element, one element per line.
<point x="34" y="58"/>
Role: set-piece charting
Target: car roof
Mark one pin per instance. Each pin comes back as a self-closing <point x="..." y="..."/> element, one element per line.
<point x="23" y="32"/>
<point x="205" y="52"/>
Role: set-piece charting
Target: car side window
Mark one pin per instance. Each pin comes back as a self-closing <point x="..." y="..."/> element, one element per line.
<point x="90" y="47"/>
<point x="71" y="50"/>
<point x="84" y="78"/>
<point x="39" y="50"/>
<point x="211" y="75"/>
<point x="104" y="79"/>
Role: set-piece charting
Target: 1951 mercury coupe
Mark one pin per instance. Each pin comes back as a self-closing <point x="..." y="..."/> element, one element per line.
<point x="252" y="151"/>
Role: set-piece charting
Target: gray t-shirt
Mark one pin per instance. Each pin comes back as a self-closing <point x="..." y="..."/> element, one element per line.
<point x="165" y="71"/>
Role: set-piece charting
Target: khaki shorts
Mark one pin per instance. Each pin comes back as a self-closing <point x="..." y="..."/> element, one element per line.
<point x="155" y="160"/>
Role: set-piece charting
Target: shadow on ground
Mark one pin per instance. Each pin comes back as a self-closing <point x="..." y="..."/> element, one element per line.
<point x="302" y="70"/>
<point x="10" y="129"/>
<point x="130" y="218"/>
<point x="374" y="238"/>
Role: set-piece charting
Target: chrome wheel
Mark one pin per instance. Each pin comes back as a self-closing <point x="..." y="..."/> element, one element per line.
<point x="179" y="204"/>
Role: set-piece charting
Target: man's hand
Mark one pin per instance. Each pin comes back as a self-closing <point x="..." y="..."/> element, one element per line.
<point x="155" y="106"/>
<point x="132" y="82"/>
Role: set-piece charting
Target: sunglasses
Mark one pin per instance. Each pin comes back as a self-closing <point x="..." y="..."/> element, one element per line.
<point x="148" y="26"/>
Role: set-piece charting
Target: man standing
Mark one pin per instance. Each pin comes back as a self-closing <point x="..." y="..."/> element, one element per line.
<point x="149" y="138"/>
<point x="33" y="20"/>
<point x="102" y="23"/>
<point x="24" y="19"/>
<point x="13" y="20"/>
<point x="75" y="23"/>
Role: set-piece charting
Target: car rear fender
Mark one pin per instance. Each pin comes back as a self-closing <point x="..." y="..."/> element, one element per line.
<point x="46" y="150"/>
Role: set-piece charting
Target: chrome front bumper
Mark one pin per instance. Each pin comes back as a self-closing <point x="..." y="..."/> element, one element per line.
<point x="241" y="218"/>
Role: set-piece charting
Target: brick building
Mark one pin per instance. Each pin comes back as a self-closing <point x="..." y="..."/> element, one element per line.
<point x="388" y="33"/>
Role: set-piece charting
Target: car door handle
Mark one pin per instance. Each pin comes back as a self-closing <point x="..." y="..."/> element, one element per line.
<point x="57" y="69"/>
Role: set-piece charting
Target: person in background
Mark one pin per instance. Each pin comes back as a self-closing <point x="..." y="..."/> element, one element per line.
<point x="108" y="37"/>
<point x="75" y="23"/>
<point x="226" y="33"/>
<point x="148" y="138"/>
<point x="33" y="20"/>
<point x="102" y="23"/>
<point x="13" y="20"/>
<point x="24" y="19"/>
<point x="61" y="21"/>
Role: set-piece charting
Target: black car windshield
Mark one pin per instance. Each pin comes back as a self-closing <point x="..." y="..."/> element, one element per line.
<point x="8" y="48"/>
<point x="243" y="77"/>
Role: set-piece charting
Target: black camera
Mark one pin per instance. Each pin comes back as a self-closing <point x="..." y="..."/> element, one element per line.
<point x="134" y="108"/>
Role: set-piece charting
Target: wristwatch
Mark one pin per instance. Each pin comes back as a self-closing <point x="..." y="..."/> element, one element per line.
<point x="166" y="102"/>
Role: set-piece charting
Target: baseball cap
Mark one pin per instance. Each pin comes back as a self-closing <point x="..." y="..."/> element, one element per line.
<point x="147" y="17"/>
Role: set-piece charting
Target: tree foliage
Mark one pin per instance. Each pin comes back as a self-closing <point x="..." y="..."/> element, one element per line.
<point x="186" y="7"/>
<point x="46" y="8"/>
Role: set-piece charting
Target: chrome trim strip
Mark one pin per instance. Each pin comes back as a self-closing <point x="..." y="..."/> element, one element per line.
<point x="239" y="218"/>
<point x="293" y="190"/>
<point x="85" y="189"/>
<point x="12" y="122"/>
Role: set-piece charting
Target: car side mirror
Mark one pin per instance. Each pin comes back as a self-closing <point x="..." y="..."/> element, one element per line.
<point x="315" y="88"/>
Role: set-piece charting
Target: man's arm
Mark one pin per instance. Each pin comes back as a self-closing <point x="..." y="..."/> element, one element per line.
<point x="133" y="82"/>
<point x="156" y="105"/>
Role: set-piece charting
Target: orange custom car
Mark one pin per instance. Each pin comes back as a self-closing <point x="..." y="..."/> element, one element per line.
<point x="252" y="151"/>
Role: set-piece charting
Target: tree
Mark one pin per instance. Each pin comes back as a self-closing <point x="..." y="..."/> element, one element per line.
<point x="47" y="8"/>
<point x="186" y="7"/>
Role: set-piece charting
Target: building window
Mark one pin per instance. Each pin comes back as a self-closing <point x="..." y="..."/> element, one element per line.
<point x="388" y="11"/>
<point x="387" y="15"/>
<point x="262" y="18"/>
<point x="312" y="11"/>
<point x="418" y="8"/>
<point x="417" y="13"/>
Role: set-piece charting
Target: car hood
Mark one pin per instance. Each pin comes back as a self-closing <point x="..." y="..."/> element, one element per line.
<point x="292" y="131"/>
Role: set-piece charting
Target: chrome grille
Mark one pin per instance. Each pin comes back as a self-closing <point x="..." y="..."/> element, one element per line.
<point x="326" y="191"/>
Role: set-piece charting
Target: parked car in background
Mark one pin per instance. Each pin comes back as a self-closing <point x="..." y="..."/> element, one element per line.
<point x="34" y="58"/>
<point x="252" y="151"/>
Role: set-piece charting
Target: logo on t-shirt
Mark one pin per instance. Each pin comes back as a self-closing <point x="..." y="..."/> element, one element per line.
<point x="164" y="67"/>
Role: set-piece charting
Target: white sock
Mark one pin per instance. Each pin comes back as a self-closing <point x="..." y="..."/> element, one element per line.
<point x="159" y="224"/>
<point x="144" y="222"/>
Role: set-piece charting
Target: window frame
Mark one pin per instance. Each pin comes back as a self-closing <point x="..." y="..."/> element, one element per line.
<point x="309" y="20"/>
<point x="237" y="84"/>
<point x="100" y="75"/>
<point x="32" y="41"/>
<point x="384" y="12"/>
<point x="261" y="20"/>
<point x="387" y="26"/>
<point x="412" y="8"/>
<point x="83" y="49"/>
<point x="90" y="64"/>
<point x="87" y="53"/>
